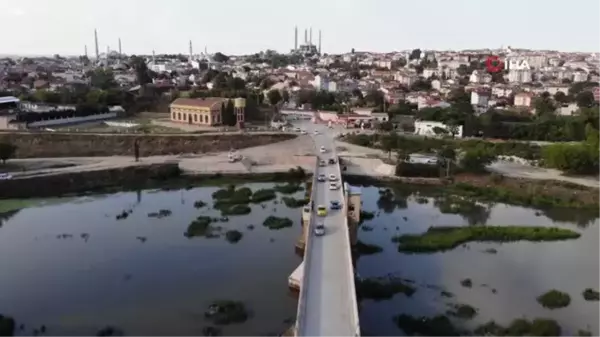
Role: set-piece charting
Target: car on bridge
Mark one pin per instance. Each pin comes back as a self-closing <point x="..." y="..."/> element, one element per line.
<point x="333" y="186"/>
<point x="321" y="210"/>
<point x="322" y="149"/>
<point x="334" y="204"/>
<point x="303" y="132"/>
<point x="316" y="132"/>
<point x="321" y="178"/>
<point x="5" y="176"/>
<point x="331" y="161"/>
<point x="322" y="163"/>
<point x="320" y="230"/>
<point x="332" y="177"/>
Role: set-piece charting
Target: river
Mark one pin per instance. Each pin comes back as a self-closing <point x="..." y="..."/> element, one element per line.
<point x="74" y="268"/>
<point x="518" y="272"/>
<point x="141" y="274"/>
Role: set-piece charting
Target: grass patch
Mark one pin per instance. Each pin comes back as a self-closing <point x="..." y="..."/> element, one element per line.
<point x="289" y="188"/>
<point x="437" y="239"/>
<point x="273" y="222"/>
<point x="294" y="203"/>
<point x="424" y="326"/>
<point x="463" y="311"/>
<point x="382" y="288"/>
<point x="201" y="227"/>
<point x="261" y="195"/>
<point x="554" y="299"/>
<point x="233" y="236"/>
<point x="521" y="327"/>
<point x="362" y="248"/>
<point x="226" y="312"/>
<point x="234" y="209"/>
<point x="591" y="295"/>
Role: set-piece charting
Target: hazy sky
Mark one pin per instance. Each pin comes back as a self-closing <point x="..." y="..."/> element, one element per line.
<point x="245" y="26"/>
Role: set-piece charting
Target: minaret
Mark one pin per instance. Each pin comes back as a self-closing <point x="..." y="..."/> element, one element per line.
<point x="120" y="51"/>
<point x="153" y="57"/>
<point x="310" y="38"/>
<point x="305" y="36"/>
<point x="191" y="51"/>
<point x="96" y="42"/>
<point x="85" y="50"/>
<point x="295" y="38"/>
<point x="319" y="42"/>
<point x="107" y="51"/>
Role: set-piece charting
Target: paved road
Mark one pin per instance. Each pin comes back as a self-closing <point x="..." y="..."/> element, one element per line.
<point x="328" y="295"/>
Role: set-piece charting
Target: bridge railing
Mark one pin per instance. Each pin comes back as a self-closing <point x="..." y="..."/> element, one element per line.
<point x="348" y="252"/>
<point x="307" y="256"/>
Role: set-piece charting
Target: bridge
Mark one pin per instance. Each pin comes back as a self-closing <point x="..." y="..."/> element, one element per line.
<point x="327" y="303"/>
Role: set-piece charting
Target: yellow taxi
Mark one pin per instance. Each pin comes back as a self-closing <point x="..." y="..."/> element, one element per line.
<point x="322" y="210"/>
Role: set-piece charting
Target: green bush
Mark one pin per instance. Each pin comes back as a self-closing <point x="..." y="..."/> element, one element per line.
<point x="362" y="248"/>
<point x="7" y="326"/>
<point x="424" y="326"/>
<point x="200" y="227"/>
<point x="437" y="239"/>
<point x="382" y="288"/>
<point x="295" y="203"/>
<point x="235" y="210"/>
<point x="554" y="299"/>
<point x="591" y="295"/>
<point x="273" y="222"/>
<point x="463" y="311"/>
<point x="521" y="327"/>
<point x="233" y="236"/>
<point x="288" y="188"/>
<point x="263" y="195"/>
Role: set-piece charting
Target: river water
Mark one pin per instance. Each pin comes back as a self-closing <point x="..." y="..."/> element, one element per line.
<point x="519" y="272"/>
<point x="141" y="274"/>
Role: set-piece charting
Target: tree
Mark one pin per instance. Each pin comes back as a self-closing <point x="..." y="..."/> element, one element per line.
<point x="544" y="105"/>
<point x="561" y="97"/>
<point x="228" y="113"/>
<point x="7" y="151"/>
<point x="220" y="57"/>
<point x="285" y="96"/>
<point x="274" y="96"/>
<point x="415" y="54"/>
<point x="142" y="73"/>
<point x="389" y="142"/>
<point x="585" y="99"/>
<point x="476" y="159"/>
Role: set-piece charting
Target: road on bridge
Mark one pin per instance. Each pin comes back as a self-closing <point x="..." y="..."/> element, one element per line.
<point x="328" y="298"/>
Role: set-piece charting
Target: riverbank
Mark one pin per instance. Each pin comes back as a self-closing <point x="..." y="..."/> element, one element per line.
<point x="45" y="145"/>
<point x="494" y="188"/>
<point x="134" y="177"/>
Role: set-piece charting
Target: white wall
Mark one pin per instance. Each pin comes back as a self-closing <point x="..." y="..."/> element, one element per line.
<point x="425" y="128"/>
<point x="72" y="120"/>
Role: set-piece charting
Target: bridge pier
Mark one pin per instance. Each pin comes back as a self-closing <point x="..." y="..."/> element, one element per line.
<point x="352" y="196"/>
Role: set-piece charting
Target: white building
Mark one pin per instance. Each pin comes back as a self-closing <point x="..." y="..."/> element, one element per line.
<point x="426" y="128"/>
<point x="520" y="76"/>
<point x="480" y="97"/>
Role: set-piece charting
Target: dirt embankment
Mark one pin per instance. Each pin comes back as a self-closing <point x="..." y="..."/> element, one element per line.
<point x="45" y="145"/>
<point x="86" y="181"/>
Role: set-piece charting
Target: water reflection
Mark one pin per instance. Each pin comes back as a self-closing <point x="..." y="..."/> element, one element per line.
<point x="76" y="269"/>
<point x="505" y="283"/>
<point x="5" y="216"/>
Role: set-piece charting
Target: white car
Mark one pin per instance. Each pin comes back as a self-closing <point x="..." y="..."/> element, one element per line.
<point x="297" y="129"/>
<point x="5" y="176"/>
<point x="321" y="178"/>
<point x="322" y="163"/>
<point x="332" y="177"/>
<point x="303" y="132"/>
<point x="333" y="186"/>
<point x="322" y="149"/>
<point x="320" y="230"/>
<point x="316" y="132"/>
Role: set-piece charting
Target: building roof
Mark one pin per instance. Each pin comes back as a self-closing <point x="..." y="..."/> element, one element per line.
<point x="209" y="102"/>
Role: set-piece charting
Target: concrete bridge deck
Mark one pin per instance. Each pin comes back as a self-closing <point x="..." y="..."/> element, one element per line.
<point x="327" y="303"/>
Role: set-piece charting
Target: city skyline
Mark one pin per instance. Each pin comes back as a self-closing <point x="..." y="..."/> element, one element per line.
<point x="377" y="26"/>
